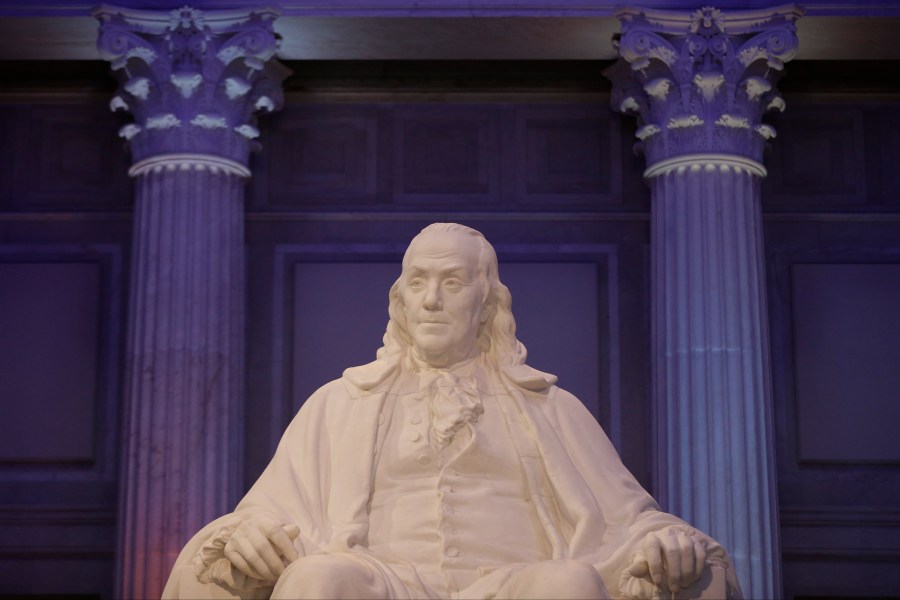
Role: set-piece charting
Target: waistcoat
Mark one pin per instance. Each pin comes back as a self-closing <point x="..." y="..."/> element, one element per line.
<point x="462" y="509"/>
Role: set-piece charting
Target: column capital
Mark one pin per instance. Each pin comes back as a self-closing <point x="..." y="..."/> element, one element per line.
<point x="192" y="79"/>
<point x="699" y="82"/>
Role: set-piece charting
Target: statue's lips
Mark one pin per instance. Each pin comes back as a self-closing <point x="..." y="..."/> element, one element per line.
<point x="433" y="325"/>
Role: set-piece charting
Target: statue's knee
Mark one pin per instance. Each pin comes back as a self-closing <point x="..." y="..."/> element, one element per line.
<point x="328" y="576"/>
<point x="572" y="579"/>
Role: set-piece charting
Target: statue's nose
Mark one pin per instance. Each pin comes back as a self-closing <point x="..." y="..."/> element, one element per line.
<point x="433" y="297"/>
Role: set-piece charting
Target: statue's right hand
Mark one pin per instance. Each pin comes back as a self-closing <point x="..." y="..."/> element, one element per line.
<point x="261" y="547"/>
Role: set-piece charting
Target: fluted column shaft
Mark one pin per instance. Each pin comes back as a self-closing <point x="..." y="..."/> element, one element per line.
<point x="185" y="363"/>
<point x="711" y="363"/>
<point x="193" y="81"/>
<point x="699" y="84"/>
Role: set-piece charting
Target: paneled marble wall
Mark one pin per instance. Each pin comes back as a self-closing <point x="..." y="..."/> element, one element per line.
<point x="64" y="233"/>
<point x="832" y="230"/>
<point x="426" y="156"/>
<point x="61" y="318"/>
<point x="348" y="180"/>
<point x="834" y="153"/>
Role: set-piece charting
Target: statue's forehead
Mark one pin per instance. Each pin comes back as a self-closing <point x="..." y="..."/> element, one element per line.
<point x="443" y="246"/>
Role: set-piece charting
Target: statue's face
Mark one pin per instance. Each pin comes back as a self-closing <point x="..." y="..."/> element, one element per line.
<point x="442" y="297"/>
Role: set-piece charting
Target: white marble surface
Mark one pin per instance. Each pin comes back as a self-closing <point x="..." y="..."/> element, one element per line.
<point x="448" y="468"/>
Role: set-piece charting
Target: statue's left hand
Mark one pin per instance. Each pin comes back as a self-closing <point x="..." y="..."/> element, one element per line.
<point x="261" y="547"/>
<point x="673" y="556"/>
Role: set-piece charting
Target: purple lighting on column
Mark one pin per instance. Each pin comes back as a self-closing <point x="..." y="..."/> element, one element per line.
<point x="193" y="81"/>
<point x="699" y="84"/>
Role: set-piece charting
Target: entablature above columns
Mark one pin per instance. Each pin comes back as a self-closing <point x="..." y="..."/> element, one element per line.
<point x="447" y="29"/>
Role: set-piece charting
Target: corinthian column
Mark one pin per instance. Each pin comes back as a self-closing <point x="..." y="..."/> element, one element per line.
<point x="699" y="84"/>
<point x="192" y="80"/>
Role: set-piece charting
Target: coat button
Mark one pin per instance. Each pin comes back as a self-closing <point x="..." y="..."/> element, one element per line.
<point x="416" y="420"/>
<point x="415" y="437"/>
<point x="424" y="459"/>
<point x="452" y="551"/>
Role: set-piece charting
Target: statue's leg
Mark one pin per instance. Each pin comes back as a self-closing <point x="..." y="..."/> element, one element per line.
<point x="183" y="585"/>
<point x="555" y="579"/>
<point x="331" y="576"/>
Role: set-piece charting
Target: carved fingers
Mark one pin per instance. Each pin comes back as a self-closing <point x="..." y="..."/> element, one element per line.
<point x="261" y="548"/>
<point x="284" y="537"/>
<point x="673" y="556"/>
<point x="699" y="550"/>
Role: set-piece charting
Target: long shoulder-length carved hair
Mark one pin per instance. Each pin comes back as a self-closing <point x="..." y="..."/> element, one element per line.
<point x="496" y="336"/>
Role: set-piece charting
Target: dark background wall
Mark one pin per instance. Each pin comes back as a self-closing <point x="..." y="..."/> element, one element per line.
<point x="365" y="154"/>
<point x="832" y="233"/>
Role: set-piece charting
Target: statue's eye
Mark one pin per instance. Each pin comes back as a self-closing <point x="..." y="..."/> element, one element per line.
<point x="453" y="284"/>
<point x="416" y="284"/>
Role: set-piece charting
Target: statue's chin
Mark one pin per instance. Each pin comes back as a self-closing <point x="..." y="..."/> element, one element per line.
<point x="435" y="360"/>
<point x="439" y="356"/>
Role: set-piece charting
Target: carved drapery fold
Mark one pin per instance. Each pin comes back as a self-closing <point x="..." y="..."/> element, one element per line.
<point x="699" y="83"/>
<point x="193" y="81"/>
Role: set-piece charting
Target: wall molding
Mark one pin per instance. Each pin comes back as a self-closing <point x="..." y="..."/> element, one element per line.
<point x="419" y="216"/>
<point x="72" y="514"/>
<point x="57" y="552"/>
<point x="54" y="217"/>
<point x="838" y="516"/>
<point x="843" y="555"/>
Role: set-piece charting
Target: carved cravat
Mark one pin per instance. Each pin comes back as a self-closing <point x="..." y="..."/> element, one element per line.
<point x="453" y="401"/>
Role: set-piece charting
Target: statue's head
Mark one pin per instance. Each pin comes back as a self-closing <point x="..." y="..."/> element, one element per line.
<point x="448" y="303"/>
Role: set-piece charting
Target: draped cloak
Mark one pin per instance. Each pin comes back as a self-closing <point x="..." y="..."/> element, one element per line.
<point x="320" y="479"/>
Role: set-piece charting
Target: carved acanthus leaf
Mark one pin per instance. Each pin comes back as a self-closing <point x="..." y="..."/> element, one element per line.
<point x="167" y="121"/>
<point x="684" y="122"/>
<point x="727" y="120"/>
<point x="209" y="122"/>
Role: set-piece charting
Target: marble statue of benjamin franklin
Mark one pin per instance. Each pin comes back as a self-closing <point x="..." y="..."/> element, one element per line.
<point x="448" y="468"/>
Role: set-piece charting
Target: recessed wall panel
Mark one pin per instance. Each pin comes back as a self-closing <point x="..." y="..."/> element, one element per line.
<point x="446" y="153"/>
<point x="555" y="305"/>
<point x="323" y="156"/>
<point x="8" y="118"/>
<point x="567" y="156"/>
<point x="891" y="156"/>
<point x="817" y="160"/>
<point x="48" y="361"/>
<point x="70" y="158"/>
<point x="340" y="314"/>
<point x="847" y="353"/>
